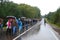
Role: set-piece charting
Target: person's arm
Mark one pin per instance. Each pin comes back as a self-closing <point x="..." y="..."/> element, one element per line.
<point x="16" y="20"/>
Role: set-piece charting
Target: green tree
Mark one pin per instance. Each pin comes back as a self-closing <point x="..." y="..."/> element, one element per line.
<point x="54" y="17"/>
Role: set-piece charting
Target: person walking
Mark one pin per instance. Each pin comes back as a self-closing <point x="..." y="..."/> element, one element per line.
<point x="20" y="25"/>
<point x="14" y="25"/>
<point x="26" y="25"/>
<point x="1" y="25"/>
<point x="8" y="27"/>
<point x="44" y="21"/>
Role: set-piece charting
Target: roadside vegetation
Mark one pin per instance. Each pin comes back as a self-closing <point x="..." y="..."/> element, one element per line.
<point x="8" y="8"/>
<point x="54" y="17"/>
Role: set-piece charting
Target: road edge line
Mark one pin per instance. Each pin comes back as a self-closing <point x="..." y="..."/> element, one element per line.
<point x="25" y="31"/>
<point x="53" y="33"/>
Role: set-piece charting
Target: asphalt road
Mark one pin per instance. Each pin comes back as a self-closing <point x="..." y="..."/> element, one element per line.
<point x="40" y="32"/>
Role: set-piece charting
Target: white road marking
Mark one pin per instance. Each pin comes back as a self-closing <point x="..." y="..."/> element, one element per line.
<point x="53" y="32"/>
<point x="26" y="31"/>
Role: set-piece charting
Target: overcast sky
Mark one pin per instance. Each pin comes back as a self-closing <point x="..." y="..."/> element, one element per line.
<point x="45" y="6"/>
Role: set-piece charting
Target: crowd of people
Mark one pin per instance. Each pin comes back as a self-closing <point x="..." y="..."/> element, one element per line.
<point x="14" y="25"/>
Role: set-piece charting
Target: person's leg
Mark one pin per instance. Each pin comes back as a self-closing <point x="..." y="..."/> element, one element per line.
<point x="1" y="29"/>
<point x="14" y="30"/>
<point x="19" y="29"/>
<point x="7" y="31"/>
<point x="26" y="27"/>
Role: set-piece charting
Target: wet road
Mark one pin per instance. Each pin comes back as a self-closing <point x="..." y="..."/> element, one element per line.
<point x="40" y="32"/>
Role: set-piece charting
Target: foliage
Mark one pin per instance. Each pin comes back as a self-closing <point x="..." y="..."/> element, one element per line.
<point x="12" y="9"/>
<point x="54" y="17"/>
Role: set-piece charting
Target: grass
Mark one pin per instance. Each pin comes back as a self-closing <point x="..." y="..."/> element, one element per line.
<point x="52" y="23"/>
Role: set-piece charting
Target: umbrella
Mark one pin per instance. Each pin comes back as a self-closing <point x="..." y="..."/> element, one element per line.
<point x="13" y="17"/>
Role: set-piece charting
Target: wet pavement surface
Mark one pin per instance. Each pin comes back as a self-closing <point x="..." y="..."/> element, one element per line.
<point x="4" y="36"/>
<point x="42" y="32"/>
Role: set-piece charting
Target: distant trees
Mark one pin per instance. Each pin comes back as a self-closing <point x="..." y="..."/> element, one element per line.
<point x="12" y="9"/>
<point x="54" y="17"/>
<point x="29" y="11"/>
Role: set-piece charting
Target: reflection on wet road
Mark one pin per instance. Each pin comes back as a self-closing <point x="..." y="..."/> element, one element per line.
<point x="42" y="32"/>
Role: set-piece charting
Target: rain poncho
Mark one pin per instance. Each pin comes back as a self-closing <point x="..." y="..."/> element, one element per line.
<point x="20" y="25"/>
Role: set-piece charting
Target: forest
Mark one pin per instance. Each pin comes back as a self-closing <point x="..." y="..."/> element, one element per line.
<point x="9" y="8"/>
<point x="54" y="17"/>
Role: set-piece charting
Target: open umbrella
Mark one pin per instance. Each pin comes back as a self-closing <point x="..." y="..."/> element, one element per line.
<point x="12" y="17"/>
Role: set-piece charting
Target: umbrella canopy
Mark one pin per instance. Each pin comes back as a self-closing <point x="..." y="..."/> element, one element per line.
<point x="12" y="17"/>
<point x="23" y="17"/>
